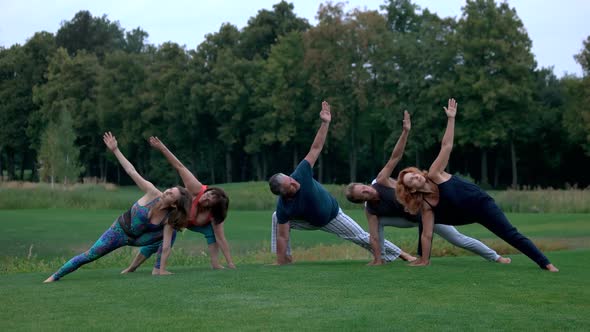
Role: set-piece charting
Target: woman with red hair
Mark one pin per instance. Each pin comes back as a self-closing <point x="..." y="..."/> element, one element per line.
<point x="443" y="198"/>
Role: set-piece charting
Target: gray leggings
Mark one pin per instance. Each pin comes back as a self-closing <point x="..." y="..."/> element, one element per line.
<point x="447" y="232"/>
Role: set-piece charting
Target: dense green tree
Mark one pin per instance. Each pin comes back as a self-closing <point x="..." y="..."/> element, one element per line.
<point x="264" y="29"/>
<point x="58" y="155"/>
<point x="71" y="85"/>
<point x="494" y="79"/>
<point x="96" y="35"/>
<point x="283" y="96"/>
<point x="120" y="103"/>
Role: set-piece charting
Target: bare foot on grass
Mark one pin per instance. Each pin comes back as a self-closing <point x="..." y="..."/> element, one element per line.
<point x="128" y="270"/>
<point x="50" y="279"/>
<point x="551" y="268"/>
<point x="407" y="257"/>
<point x="503" y="260"/>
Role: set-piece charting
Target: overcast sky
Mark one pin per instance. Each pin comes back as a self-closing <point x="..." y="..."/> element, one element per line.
<point x="557" y="28"/>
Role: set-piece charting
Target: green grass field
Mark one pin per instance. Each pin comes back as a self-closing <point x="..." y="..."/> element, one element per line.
<point x="329" y="287"/>
<point x="454" y="293"/>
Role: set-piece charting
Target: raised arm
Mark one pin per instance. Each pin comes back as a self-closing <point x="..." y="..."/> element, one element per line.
<point x="147" y="187"/>
<point x="191" y="183"/>
<point x="320" y="137"/>
<point x="440" y="163"/>
<point x="383" y="177"/>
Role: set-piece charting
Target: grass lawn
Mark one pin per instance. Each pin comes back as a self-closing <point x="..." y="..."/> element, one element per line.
<point x="329" y="287"/>
<point x="64" y="232"/>
<point x="454" y="293"/>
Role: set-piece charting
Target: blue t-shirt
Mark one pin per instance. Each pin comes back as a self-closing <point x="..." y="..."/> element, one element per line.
<point x="311" y="203"/>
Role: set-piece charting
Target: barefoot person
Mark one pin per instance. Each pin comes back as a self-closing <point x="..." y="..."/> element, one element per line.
<point x="382" y="208"/>
<point x="152" y="219"/>
<point x="304" y="204"/>
<point x="443" y="198"/>
<point x="207" y="214"/>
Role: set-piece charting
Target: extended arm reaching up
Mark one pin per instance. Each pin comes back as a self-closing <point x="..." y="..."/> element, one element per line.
<point x="320" y="137"/>
<point x="383" y="177"/>
<point x="437" y="169"/>
<point x="191" y="183"/>
<point x="147" y="187"/>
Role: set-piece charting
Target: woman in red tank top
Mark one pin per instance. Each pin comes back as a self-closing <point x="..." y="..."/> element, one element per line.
<point x="207" y="214"/>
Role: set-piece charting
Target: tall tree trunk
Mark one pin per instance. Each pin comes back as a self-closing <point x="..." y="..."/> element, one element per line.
<point x="513" y="160"/>
<point x="295" y="157"/>
<point x="484" y="167"/>
<point x="23" y="161"/>
<point x="352" y="154"/>
<point x="1" y="165"/>
<point x="101" y="168"/>
<point x="497" y="171"/>
<point x="33" y="171"/>
<point x="244" y="168"/>
<point x="211" y="162"/>
<point x="417" y="159"/>
<point x="228" y="166"/>
<point x="10" y="163"/>
<point x="264" y="166"/>
<point x="258" y="166"/>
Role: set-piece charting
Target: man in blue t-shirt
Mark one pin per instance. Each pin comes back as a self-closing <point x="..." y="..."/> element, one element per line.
<point x="304" y="204"/>
<point x="383" y="209"/>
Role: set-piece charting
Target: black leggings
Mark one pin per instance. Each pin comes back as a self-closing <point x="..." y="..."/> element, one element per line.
<point x="495" y="220"/>
<point x="492" y="218"/>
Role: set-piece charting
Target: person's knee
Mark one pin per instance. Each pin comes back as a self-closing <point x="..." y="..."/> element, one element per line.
<point x="147" y="251"/>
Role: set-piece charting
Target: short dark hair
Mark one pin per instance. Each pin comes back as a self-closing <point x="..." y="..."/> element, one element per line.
<point x="275" y="183"/>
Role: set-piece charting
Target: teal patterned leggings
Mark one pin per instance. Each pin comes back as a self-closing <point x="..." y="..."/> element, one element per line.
<point x="111" y="240"/>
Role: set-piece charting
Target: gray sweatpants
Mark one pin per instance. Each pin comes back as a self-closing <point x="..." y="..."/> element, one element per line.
<point x="344" y="227"/>
<point x="447" y="232"/>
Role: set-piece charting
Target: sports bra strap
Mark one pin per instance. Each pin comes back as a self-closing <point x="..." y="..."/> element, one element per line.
<point x="193" y="213"/>
<point x="427" y="202"/>
<point x="152" y="202"/>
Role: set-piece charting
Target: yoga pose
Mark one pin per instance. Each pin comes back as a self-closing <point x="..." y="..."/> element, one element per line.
<point x="443" y="198"/>
<point x="382" y="208"/>
<point x="152" y="219"/>
<point x="207" y="213"/>
<point x="304" y="204"/>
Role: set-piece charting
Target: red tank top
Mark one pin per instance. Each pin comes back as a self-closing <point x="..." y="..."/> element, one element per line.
<point x="193" y="214"/>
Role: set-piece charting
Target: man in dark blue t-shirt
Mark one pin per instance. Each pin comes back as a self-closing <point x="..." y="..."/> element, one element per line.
<point x="304" y="204"/>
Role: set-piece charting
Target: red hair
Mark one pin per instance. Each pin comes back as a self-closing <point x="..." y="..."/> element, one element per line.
<point x="410" y="198"/>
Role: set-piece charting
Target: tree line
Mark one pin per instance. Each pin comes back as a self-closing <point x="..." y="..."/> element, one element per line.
<point x="244" y="104"/>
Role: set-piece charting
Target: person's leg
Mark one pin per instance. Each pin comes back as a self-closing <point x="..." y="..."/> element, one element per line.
<point x="494" y="219"/>
<point x="346" y="228"/>
<point x="395" y="222"/>
<point x="144" y="252"/>
<point x="452" y="235"/>
<point x="109" y="241"/>
<point x="137" y="260"/>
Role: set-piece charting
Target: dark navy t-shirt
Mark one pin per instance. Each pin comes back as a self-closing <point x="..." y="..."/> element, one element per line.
<point x="387" y="205"/>
<point x="311" y="203"/>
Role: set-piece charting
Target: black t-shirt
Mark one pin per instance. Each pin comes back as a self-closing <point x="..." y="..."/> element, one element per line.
<point x="387" y="205"/>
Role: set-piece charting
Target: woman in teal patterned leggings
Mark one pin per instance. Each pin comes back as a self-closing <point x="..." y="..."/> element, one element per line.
<point x="152" y="219"/>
